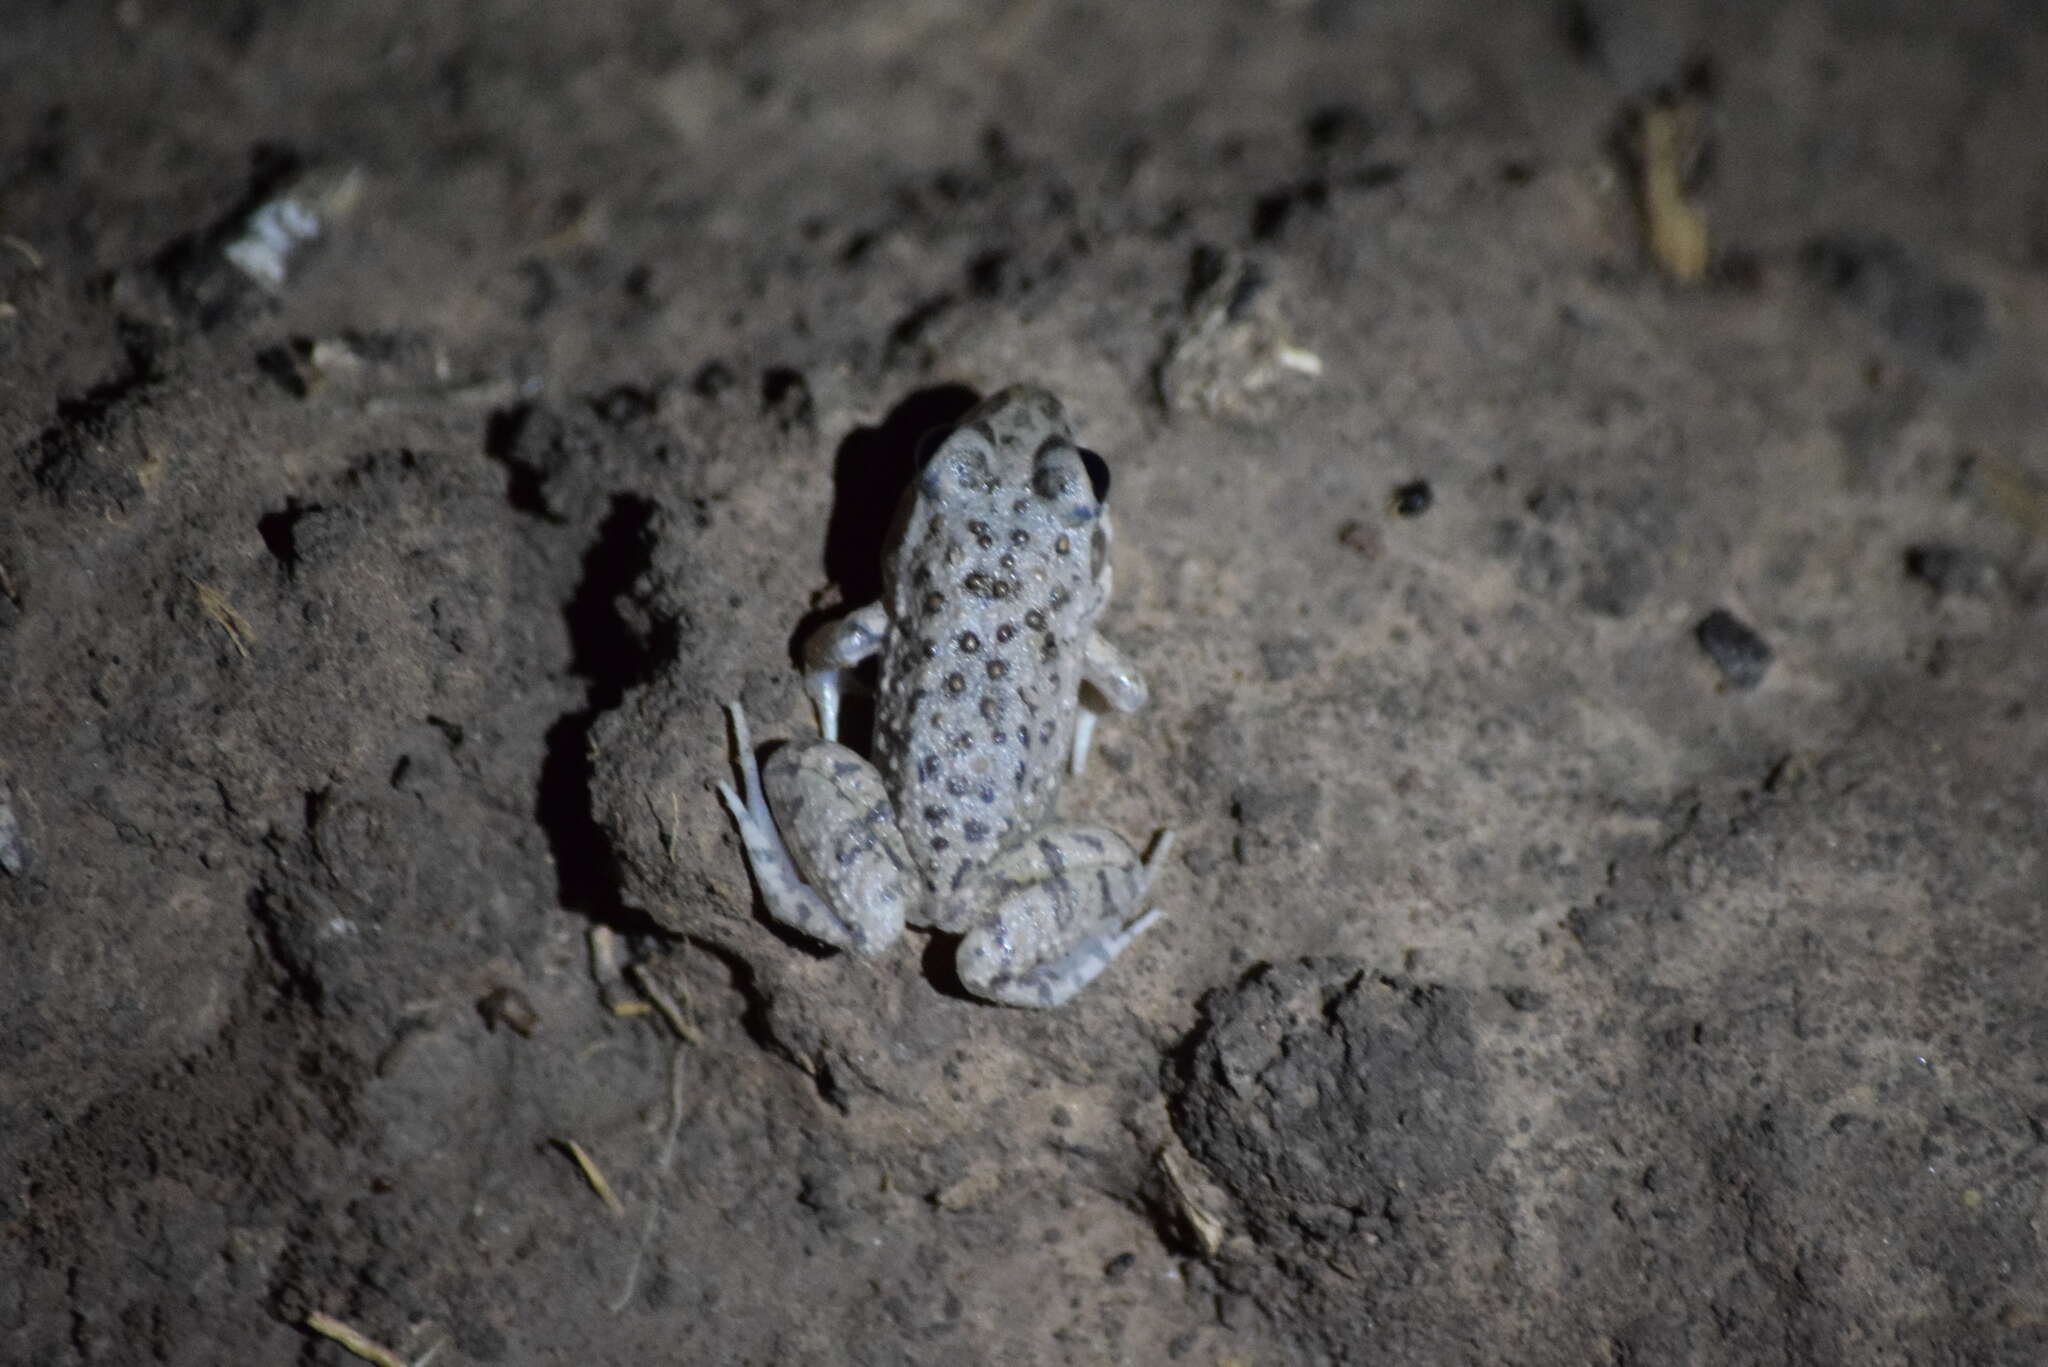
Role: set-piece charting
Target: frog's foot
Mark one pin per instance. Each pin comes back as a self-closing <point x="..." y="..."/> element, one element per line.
<point x="837" y="647"/>
<point x="1116" y="679"/>
<point x="1061" y="905"/>
<point x="844" y="875"/>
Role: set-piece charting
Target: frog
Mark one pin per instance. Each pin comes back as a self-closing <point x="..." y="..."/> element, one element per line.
<point x="994" y="573"/>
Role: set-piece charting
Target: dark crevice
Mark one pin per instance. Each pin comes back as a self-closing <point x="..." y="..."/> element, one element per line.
<point x="755" y="1013"/>
<point x="941" y="962"/>
<point x="286" y="946"/>
<point x="786" y="397"/>
<point x="68" y="458"/>
<point x="526" y="481"/>
<point x="757" y="1019"/>
<point x="279" y="531"/>
<point x="140" y="368"/>
<point x="611" y="658"/>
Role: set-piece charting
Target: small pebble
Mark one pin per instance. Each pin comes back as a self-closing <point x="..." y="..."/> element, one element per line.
<point x="1413" y="498"/>
<point x="1736" y="650"/>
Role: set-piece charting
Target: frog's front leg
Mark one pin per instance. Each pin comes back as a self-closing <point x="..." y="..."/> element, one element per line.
<point x="1110" y="673"/>
<point x="1051" y="912"/>
<point x="822" y="840"/>
<point x="834" y="648"/>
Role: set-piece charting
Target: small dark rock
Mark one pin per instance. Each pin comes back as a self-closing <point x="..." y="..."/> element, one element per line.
<point x="510" y="1008"/>
<point x="1737" y="651"/>
<point x="1119" y="1267"/>
<point x="1413" y="498"/>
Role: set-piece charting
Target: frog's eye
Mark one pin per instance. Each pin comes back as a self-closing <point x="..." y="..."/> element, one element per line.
<point x="1061" y="477"/>
<point x="961" y="465"/>
<point x="1098" y="473"/>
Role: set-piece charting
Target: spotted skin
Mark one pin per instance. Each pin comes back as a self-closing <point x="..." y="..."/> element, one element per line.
<point x="996" y="570"/>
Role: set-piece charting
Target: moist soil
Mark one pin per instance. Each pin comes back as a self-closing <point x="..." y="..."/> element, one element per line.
<point x="1581" y="480"/>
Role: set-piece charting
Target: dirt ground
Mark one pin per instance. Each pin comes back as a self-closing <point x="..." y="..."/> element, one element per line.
<point x="1581" y="477"/>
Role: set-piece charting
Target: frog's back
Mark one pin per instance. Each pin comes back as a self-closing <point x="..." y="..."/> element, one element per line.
<point x="992" y="588"/>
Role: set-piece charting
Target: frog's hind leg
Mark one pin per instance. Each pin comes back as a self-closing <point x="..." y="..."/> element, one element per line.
<point x="822" y="841"/>
<point x="1114" y="676"/>
<point x="1061" y="906"/>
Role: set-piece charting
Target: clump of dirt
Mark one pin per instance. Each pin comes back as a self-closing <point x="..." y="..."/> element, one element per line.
<point x="1327" y="1099"/>
<point x="1347" y="1115"/>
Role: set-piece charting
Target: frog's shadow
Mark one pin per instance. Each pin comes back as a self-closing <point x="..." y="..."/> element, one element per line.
<point x="870" y="471"/>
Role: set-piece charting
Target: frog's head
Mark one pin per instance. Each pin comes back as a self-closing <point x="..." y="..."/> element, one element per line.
<point x="1014" y="492"/>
